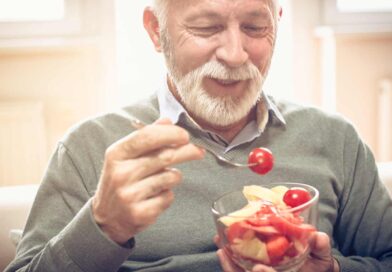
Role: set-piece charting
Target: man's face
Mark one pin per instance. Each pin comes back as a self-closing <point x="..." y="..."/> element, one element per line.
<point x="218" y="53"/>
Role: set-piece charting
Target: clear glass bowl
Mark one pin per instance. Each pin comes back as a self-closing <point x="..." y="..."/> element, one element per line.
<point x="260" y="232"/>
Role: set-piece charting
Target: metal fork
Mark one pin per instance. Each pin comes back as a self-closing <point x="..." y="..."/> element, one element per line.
<point x="137" y="124"/>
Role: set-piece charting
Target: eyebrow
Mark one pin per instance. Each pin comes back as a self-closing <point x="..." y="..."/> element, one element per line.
<point x="204" y="14"/>
<point x="209" y="14"/>
<point x="259" y="13"/>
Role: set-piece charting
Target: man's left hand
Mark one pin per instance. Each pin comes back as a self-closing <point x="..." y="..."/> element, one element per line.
<point x="320" y="258"/>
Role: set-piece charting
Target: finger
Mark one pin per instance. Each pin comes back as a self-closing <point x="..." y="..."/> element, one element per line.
<point x="163" y="121"/>
<point x="154" y="185"/>
<point x="217" y="240"/>
<point x="320" y="245"/>
<point x="155" y="162"/>
<point x="145" y="213"/>
<point x="147" y="139"/>
<point x="229" y="266"/>
<point x="320" y="253"/>
<point x="226" y="263"/>
<point x="262" y="268"/>
<point x="154" y="206"/>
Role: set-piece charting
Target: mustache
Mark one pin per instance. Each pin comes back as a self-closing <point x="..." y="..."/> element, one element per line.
<point x="215" y="69"/>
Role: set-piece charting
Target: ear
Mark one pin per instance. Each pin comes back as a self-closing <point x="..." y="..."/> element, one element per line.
<point x="151" y="24"/>
<point x="280" y="13"/>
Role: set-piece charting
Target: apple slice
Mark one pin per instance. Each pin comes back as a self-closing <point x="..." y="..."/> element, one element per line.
<point x="280" y="190"/>
<point x="255" y="192"/>
<point x="240" y="215"/>
<point x="253" y="249"/>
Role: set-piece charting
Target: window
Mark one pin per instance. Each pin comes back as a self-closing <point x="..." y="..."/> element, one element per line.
<point x="40" y="18"/>
<point x="364" y="5"/>
<point x="358" y="15"/>
<point x="27" y="10"/>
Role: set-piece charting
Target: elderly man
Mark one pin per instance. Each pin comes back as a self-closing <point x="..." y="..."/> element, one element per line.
<point x="107" y="200"/>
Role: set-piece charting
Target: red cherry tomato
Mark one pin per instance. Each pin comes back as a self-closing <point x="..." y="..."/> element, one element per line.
<point x="264" y="159"/>
<point x="296" y="196"/>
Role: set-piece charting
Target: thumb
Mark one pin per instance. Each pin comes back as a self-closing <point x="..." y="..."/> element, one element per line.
<point x="320" y="245"/>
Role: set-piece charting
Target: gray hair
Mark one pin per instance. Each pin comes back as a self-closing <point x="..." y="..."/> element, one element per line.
<point x="161" y="9"/>
<point x="161" y="12"/>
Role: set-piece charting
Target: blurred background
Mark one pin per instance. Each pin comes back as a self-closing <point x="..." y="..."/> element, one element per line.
<point x="62" y="61"/>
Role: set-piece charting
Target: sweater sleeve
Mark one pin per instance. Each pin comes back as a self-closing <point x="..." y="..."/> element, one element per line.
<point x="362" y="232"/>
<point x="61" y="234"/>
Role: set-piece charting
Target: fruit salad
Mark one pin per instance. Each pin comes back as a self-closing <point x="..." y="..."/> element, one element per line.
<point x="273" y="228"/>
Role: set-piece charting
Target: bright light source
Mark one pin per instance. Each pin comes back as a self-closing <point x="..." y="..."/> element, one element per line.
<point x="28" y="10"/>
<point x="364" y="5"/>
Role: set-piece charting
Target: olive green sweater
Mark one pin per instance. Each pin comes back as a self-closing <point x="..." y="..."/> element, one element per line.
<point x="313" y="147"/>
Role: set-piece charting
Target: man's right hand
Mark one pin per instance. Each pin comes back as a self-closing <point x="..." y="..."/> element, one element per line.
<point x="136" y="181"/>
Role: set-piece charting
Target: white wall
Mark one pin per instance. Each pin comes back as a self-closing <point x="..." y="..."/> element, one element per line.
<point x="139" y="67"/>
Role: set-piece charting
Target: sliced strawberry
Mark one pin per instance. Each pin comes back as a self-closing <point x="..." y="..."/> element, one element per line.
<point x="262" y="229"/>
<point x="238" y="230"/>
<point x="277" y="246"/>
<point x="284" y="226"/>
<point x="265" y="231"/>
<point x="295" y="219"/>
<point x="261" y="216"/>
<point x="265" y="209"/>
<point x="258" y="221"/>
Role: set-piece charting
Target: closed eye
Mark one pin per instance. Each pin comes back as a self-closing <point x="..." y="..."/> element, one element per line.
<point x="255" y="30"/>
<point x="206" y="30"/>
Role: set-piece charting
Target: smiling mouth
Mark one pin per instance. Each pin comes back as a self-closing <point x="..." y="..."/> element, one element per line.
<point x="226" y="81"/>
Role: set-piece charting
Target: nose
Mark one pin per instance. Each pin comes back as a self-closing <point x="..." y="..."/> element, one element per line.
<point x="231" y="50"/>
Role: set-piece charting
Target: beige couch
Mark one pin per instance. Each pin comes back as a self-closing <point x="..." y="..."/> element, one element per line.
<point x="15" y="203"/>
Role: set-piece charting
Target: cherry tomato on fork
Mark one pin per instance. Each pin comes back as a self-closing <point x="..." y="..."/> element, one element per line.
<point x="264" y="159"/>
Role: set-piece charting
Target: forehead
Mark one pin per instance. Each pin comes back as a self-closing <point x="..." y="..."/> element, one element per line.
<point x="222" y="6"/>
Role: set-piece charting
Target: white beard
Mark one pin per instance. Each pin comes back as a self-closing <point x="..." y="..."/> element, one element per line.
<point x="219" y="111"/>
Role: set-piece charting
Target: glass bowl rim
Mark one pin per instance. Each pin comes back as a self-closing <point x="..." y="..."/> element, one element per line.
<point x="290" y="210"/>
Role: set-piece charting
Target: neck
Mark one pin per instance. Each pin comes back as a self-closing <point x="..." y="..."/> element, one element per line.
<point x="230" y="131"/>
<point x="226" y="132"/>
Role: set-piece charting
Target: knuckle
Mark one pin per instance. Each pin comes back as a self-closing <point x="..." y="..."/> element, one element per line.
<point x="145" y="138"/>
<point x="128" y="171"/>
<point x="136" y="213"/>
<point x="152" y="214"/>
<point x="109" y="153"/>
<point x="122" y="196"/>
<point x="128" y="196"/>
<point x="146" y="216"/>
<point x="167" y="157"/>
<point x="149" y="138"/>
<point x="121" y="175"/>
<point x="155" y="187"/>
<point x="171" y="178"/>
<point x="133" y="144"/>
<point x="169" y="198"/>
<point x="176" y="175"/>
